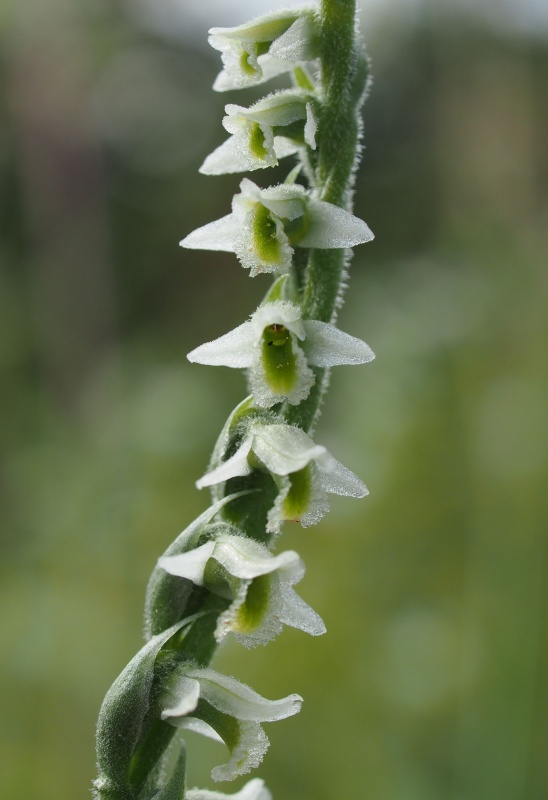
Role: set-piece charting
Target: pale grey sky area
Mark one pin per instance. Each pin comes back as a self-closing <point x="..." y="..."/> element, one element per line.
<point x="192" y="17"/>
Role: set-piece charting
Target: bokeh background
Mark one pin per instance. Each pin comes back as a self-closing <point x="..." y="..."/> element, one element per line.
<point x="431" y="683"/>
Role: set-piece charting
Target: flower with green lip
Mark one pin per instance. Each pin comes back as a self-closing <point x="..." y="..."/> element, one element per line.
<point x="258" y="583"/>
<point x="224" y="709"/>
<point x="304" y="472"/>
<point x="253" y="790"/>
<point x="272" y="128"/>
<point x="265" y="47"/>
<point x="265" y="225"/>
<point x="277" y="346"/>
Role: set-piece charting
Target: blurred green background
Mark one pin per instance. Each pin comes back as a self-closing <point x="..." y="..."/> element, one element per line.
<point x="431" y="683"/>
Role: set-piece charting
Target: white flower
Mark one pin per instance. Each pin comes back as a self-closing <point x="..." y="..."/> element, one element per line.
<point x="253" y="790"/>
<point x="258" y="583"/>
<point x="267" y="46"/>
<point x="272" y="128"/>
<point x="277" y="345"/>
<point x="305" y="472"/>
<point x="264" y="223"/>
<point x="224" y="709"/>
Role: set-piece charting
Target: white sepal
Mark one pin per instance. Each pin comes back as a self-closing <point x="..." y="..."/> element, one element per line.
<point x="331" y="227"/>
<point x="284" y="449"/>
<point x="234" y="349"/>
<point x="218" y="235"/>
<point x="327" y="346"/>
<point x="233" y="467"/>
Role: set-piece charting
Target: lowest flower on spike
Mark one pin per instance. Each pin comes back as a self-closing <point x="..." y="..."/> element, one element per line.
<point x="224" y="709"/>
<point x="266" y="224"/>
<point x="268" y="46"/>
<point x="277" y="346"/>
<point x="258" y="583"/>
<point x="304" y="472"/>
<point x="253" y="790"/>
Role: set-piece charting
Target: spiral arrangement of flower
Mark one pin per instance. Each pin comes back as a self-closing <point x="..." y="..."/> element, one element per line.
<point x="221" y="576"/>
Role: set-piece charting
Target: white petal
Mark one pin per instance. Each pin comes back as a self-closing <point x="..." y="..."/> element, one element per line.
<point x="217" y="235"/>
<point x="283" y="448"/>
<point x="285" y="200"/>
<point x="185" y="692"/>
<point x="190" y="565"/>
<point x="333" y="227"/>
<point x="277" y="109"/>
<point x="196" y="726"/>
<point x="327" y="346"/>
<point x="247" y="559"/>
<point x="254" y="790"/>
<point x="238" y="700"/>
<point x="337" y="479"/>
<point x="279" y="312"/>
<point x="233" y="467"/>
<point x="297" y="43"/>
<point x="234" y="349"/>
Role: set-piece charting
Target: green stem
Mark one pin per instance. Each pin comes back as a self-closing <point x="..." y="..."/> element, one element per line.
<point x="343" y="84"/>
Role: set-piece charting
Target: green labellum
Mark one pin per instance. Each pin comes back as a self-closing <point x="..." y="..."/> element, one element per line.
<point x="298" y="499"/>
<point x="265" y="239"/>
<point x="251" y="613"/>
<point x="256" y="140"/>
<point x="245" y="65"/>
<point x="278" y="359"/>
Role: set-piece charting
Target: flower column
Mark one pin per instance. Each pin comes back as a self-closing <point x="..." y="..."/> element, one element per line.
<point x="220" y="575"/>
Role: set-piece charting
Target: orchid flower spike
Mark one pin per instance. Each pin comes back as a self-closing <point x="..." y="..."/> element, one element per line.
<point x="277" y="346"/>
<point x="265" y="47"/>
<point x="272" y="128"/>
<point x="253" y="790"/>
<point x="226" y="710"/>
<point x="304" y="472"/>
<point x="265" y="225"/>
<point x="258" y="583"/>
